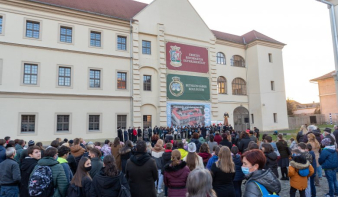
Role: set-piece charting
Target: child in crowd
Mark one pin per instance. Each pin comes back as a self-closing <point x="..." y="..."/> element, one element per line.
<point x="314" y="165"/>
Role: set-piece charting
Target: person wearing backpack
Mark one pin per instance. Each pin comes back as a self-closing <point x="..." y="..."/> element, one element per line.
<point x="300" y="170"/>
<point x="63" y="154"/>
<point x="10" y="175"/>
<point x="109" y="180"/>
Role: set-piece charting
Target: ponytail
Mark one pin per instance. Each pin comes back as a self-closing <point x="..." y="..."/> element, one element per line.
<point x="110" y="168"/>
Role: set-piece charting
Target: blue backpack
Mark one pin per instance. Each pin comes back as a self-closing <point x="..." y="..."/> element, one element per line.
<point x="264" y="191"/>
<point x="304" y="172"/>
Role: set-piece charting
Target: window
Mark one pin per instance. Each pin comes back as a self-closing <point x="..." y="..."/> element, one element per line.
<point x="95" y="39"/>
<point x="220" y="58"/>
<point x="275" y="117"/>
<point x="147" y="83"/>
<point x="62" y="123"/>
<point x="66" y="34"/>
<point x="146" y="47"/>
<point x="94" y="123"/>
<point x="272" y="85"/>
<point x="238" y="87"/>
<point x="27" y="123"/>
<point x="270" y="57"/>
<point x="122" y="121"/>
<point x="94" y="78"/>
<point x="64" y="76"/>
<point x="237" y="61"/>
<point x="32" y="29"/>
<point x="30" y="74"/>
<point x="121" y="80"/>
<point x="146" y="121"/>
<point x="221" y="85"/>
<point x="1" y="22"/>
<point x="252" y="119"/>
<point x="122" y="43"/>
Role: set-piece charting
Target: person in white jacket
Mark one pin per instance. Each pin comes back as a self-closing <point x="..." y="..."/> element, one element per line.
<point x="193" y="160"/>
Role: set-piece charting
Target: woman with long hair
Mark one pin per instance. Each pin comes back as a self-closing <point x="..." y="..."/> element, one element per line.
<point x="271" y="158"/>
<point x="176" y="175"/>
<point x="115" y="148"/>
<point x="193" y="159"/>
<point x="223" y="173"/>
<point x="205" y="153"/>
<point x="199" y="184"/>
<point x="82" y="179"/>
<point x="125" y="153"/>
<point x="315" y="148"/>
<point x="284" y="152"/>
<point x="301" y="136"/>
<point x="108" y="182"/>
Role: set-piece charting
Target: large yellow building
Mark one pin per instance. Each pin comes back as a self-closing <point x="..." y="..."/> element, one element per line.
<point x="83" y="68"/>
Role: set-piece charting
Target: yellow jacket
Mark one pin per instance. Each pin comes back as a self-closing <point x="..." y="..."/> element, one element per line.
<point x="183" y="152"/>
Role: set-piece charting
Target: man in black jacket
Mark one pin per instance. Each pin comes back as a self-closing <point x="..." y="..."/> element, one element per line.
<point x="10" y="175"/>
<point x="97" y="164"/>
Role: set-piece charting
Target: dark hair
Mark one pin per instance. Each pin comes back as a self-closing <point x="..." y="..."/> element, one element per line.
<point x="96" y="152"/>
<point x="268" y="138"/>
<point x="141" y="146"/>
<point x="168" y="146"/>
<point x="116" y="141"/>
<point x="110" y="168"/>
<point x="31" y="149"/>
<point x="234" y="150"/>
<point x="127" y="145"/>
<point x="302" y="145"/>
<point x="280" y="136"/>
<point x="50" y="152"/>
<point x="251" y="132"/>
<point x="267" y="148"/>
<point x="10" y="143"/>
<point x="21" y="142"/>
<point x="39" y="144"/>
<point x="16" y="141"/>
<point x="55" y="144"/>
<point x="211" y="138"/>
<point x="76" y="141"/>
<point x="253" y="146"/>
<point x="300" y="159"/>
<point x="264" y="135"/>
<point x="204" y="148"/>
<point x="309" y="147"/>
<point x="255" y="157"/>
<point x="2" y="142"/>
<point x="106" y="141"/>
<point x="224" y="136"/>
<point x="217" y="149"/>
<point x="65" y="140"/>
<point x="180" y="144"/>
<point x="80" y="172"/>
<point x="7" y="138"/>
<point x="63" y="150"/>
<point x="195" y="136"/>
<point x="97" y="143"/>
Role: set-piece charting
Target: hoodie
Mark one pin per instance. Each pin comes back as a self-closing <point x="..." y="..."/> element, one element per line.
<point x="328" y="158"/>
<point x="66" y="167"/>
<point x="27" y="166"/>
<point x="140" y="159"/>
<point x="271" y="162"/>
<point x="297" y="181"/>
<point x="77" y="150"/>
<point x="211" y="161"/>
<point x="205" y="157"/>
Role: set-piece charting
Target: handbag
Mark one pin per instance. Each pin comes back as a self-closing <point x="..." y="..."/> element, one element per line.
<point x="124" y="192"/>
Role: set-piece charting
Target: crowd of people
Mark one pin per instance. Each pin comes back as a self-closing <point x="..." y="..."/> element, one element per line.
<point x="196" y="161"/>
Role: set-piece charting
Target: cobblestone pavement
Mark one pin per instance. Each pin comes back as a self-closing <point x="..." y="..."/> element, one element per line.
<point x="321" y="190"/>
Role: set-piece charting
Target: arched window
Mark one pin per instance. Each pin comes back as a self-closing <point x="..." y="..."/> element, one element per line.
<point x="220" y="58"/>
<point x="237" y="61"/>
<point x="221" y="85"/>
<point x="238" y="87"/>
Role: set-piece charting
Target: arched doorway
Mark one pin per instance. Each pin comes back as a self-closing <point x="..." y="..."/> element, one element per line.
<point x="241" y="119"/>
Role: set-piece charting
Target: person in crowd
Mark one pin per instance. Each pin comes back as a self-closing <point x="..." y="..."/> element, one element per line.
<point x="314" y="165"/>
<point x="154" y="139"/>
<point x="252" y="145"/>
<point x="306" y="154"/>
<point x="225" y="141"/>
<point x="239" y="176"/>
<point x="243" y="142"/>
<point x="284" y="151"/>
<point x="77" y="150"/>
<point x="201" y="139"/>
<point x="315" y="131"/>
<point x="268" y="139"/>
<point x="125" y="135"/>
<point x="180" y="147"/>
<point x="256" y="130"/>
<point x="335" y="133"/>
<point x="139" y="133"/>
<point x="19" y="148"/>
<point x="120" y="134"/>
<point x="205" y="153"/>
<point x="211" y="143"/>
<point x="125" y="153"/>
<point x="96" y="162"/>
<point x="299" y="171"/>
<point x="328" y="134"/>
<point x="98" y="146"/>
<point x="301" y="136"/>
<point x="169" y="137"/>
<point x="55" y="143"/>
<point x="106" y="150"/>
<point x="130" y="134"/>
<point x="2" y="150"/>
<point x="58" y="173"/>
<point x="141" y="172"/>
<point x="176" y="175"/>
<point x="214" y="158"/>
<point x="109" y="180"/>
<point x="166" y="157"/>
<point x="253" y="164"/>
<point x="328" y="159"/>
<point x="82" y="143"/>
<point x="24" y="153"/>
<point x="193" y="159"/>
<point x="315" y="148"/>
<point x="195" y="140"/>
<point x="146" y="134"/>
<point x="134" y="135"/>
<point x="293" y="144"/>
<point x="10" y="175"/>
<point x="223" y="173"/>
<point x="157" y="153"/>
<point x="271" y="158"/>
<point x="199" y="184"/>
<point x="7" y="139"/>
<point x="252" y="136"/>
<point x="40" y="145"/>
<point x="11" y="143"/>
<point x="218" y="137"/>
<point x="149" y="147"/>
<point x="27" y="166"/>
<point x="63" y="154"/>
<point x="71" y="143"/>
<point x="81" y="178"/>
<point x="115" y="148"/>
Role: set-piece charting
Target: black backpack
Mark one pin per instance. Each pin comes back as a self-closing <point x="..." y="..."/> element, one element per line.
<point x="41" y="182"/>
<point x="124" y="192"/>
<point x="73" y="191"/>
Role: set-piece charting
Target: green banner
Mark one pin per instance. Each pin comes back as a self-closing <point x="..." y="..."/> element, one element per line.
<point x="184" y="87"/>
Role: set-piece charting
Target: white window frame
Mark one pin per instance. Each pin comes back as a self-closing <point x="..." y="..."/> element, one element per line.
<point x="56" y="123"/>
<point x="23" y="70"/>
<point x="59" y="33"/>
<point x="127" y="40"/>
<point x="100" y="123"/>
<point x="71" y="75"/>
<point x="36" y="123"/>
<point x="101" y="78"/>
<point x="98" y="31"/>
<point x="25" y="28"/>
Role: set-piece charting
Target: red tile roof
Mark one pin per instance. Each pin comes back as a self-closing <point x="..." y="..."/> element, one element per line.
<point x="326" y="76"/>
<point x="228" y="37"/>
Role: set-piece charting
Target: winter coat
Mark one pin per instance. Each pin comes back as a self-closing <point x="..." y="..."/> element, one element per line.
<point x="211" y="161"/>
<point x="104" y="185"/>
<point x="314" y="162"/>
<point x="183" y="152"/>
<point x="296" y="181"/>
<point x="86" y="183"/>
<point x="77" y="151"/>
<point x="328" y="158"/>
<point x="10" y="173"/>
<point x="198" y="144"/>
<point x="106" y="150"/>
<point x="2" y="154"/>
<point x="218" y="138"/>
<point x="72" y="163"/>
<point x="225" y="142"/>
<point x="117" y="156"/>
<point x="166" y="158"/>
<point x="282" y="147"/>
<point x="58" y="173"/>
<point x="157" y="155"/>
<point x="243" y="144"/>
<point x="266" y="178"/>
<point x="66" y="168"/>
<point x="97" y="165"/>
<point x="141" y="173"/>
<point x="271" y="162"/>
<point x="212" y="145"/>
<point x="19" y="150"/>
<point x="125" y="155"/>
<point x="205" y="157"/>
<point x="222" y="182"/>
<point x="26" y="169"/>
<point x="301" y="138"/>
<point x="239" y="176"/>
<point x="175" y="178"/>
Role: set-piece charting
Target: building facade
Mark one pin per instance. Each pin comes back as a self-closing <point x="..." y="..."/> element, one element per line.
<point x="82" y="69"/>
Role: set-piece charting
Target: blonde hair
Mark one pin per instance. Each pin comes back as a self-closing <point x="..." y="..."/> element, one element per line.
<point x="175" y="157"/>
<point x="303" y="129"/>
<point x="313" y="141"/>
<point x="224" y="161"/>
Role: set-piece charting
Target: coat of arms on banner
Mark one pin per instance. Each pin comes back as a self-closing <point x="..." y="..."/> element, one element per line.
<point x="175" y="56"/>
<point x="176" y="87"/>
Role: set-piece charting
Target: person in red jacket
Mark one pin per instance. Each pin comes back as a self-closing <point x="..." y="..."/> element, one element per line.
<point x="205" y="153"/>
<point x="218" y="137"/>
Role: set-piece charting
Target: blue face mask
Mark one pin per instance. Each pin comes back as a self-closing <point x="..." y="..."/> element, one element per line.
<point x="245" y="170"/>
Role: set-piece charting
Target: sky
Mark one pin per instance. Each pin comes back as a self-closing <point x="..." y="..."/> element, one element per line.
<point x="304" y="25"/>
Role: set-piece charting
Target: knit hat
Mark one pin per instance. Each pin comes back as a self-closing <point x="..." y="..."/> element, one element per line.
<point x="31" y="143"/>
<point x="326" y="142"/>
<point x="327" y="130"/>
<point x="191" y="147"/>
<point x="71" y="141"/>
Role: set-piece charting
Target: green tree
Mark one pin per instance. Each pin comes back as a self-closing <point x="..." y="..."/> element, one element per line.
<point x="291" y="106"/>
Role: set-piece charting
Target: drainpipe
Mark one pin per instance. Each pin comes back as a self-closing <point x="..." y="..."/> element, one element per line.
<point x="131" y="76"/>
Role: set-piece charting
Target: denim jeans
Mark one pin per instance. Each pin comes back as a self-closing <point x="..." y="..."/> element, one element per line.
<point x="9" y="191"/>
<point x="332" y="180"/>
<point x="319" y="171"/>
<point x="308" y="188"/>
<point x="238" y="190"/>
<point x="159" y="183"/>
<point x="313" y="187"/>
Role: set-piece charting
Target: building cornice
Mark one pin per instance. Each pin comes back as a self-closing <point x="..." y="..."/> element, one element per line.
<point x="263" y="43"/>
<point x="231" y="44"/>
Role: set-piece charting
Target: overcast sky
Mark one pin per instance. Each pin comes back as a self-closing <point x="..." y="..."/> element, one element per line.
<point x="304" y="25"/>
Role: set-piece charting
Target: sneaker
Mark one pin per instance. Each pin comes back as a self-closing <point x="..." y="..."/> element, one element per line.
<point x="159" y="191"/>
